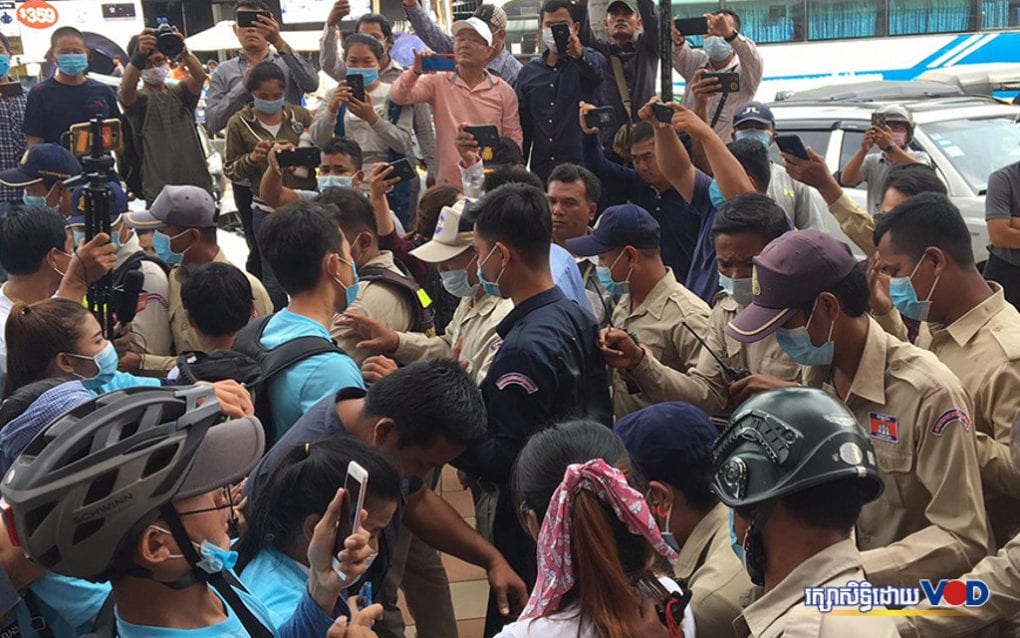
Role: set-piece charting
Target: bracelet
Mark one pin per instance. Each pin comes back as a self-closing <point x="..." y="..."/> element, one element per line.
<point x="733" y="37"/>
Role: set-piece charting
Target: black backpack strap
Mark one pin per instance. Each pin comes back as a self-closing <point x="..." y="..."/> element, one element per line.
<point x="135" y="261"/>
<point x="423" y="320"/>
<point x="35" y="615"/>
<point x="283" y="356"/>
<point x="105" y="623"/>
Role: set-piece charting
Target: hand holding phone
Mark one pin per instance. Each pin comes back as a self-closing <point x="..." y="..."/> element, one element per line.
<point x="691" y="26"/>
<point x="662" y="112"/>
<point x="878" y="119"/>
<point x="355" y="485"/>
<point x="561" y="35"/>
<point x="792" y="145"/>
<point x="729" y="81"/>
<point x="248" y="19"/>
<point x="486" y="136"/>
<point x="600" y="117"/>
<point x="305" y="156"/>
<point x="356" y="83"/>
<point x="436" y="63"/>
<point x="402" y="168"/>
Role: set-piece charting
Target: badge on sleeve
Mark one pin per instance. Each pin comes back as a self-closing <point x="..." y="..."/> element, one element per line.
<point x="516" y="378"/>
<point x="949" y="417"/>
<point x="884" y="427"/>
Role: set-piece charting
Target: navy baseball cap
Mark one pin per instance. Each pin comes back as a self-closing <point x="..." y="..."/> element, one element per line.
<point x="754" y="112"/>
<point x="618" y="226"/>
<point x="42" y="161"/>
<point x="118" y="204"/>
<point x="666" y="438"/>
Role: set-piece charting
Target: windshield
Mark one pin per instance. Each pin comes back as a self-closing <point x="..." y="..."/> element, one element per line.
<point x="978" y="147"/>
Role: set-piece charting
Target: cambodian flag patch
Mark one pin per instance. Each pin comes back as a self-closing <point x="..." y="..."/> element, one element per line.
<point x="948" y="418"/>
<point x="516" y="378"/>
<point x="884" y="428"/>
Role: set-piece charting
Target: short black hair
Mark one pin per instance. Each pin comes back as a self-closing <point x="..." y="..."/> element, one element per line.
<point x="730" y="13"/>
<point x="642" y="131"/>
<point x="552" y="6"/>
<point x="852" y="292"/>
<point x="265" y="72"/>
<point x="345" y="146"/>
<point x="218" y="298"/>
<point x="510" y="174"/>
<point x="66" y="31"/>
<point x="751" y="213"/>
<point x="251" y="5"/>
<point x="429" y="398"/>
<point x="832" y="505"/>
<point x="365" y="40"/>
<point x="296" y="238"/>
<point x="572" y="173"/>
<point x="755" y="161"/>
<point x="27" y="235"/>
<point x="4" y="41"/>
<point x="517" y="215"/>
<point x="913" y="179"/>
<point x="375" y="18"/>
<point x="354" y="213"/>
<point x="928" y="219"/>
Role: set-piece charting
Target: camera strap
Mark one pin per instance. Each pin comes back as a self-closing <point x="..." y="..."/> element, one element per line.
<point x="722" y="102"/>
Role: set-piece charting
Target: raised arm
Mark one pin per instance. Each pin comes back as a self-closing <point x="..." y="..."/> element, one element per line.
<point x="411" y="87"/>
<point x="728" y="172"/>
<point x="133" y="71"/>
<point x="674" y="162"/>
<point x="271" y="190"/>
<point x="330" y="60"/>
<point x="426" y="29"/>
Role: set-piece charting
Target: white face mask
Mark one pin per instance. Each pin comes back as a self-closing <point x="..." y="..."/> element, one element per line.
<point x="156" y="75"/>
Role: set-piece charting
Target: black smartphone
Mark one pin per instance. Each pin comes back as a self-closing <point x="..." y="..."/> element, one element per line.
<point x="662" y="112"/>
<point x="791" y="145"/>
<point x="402" y="168"/>
<point x="356" y="83"/>
<point x="691" y="26"/>
<point x="438" y="63"/>
<point x="304" y="156"/>
<point x="729" y="81"/>
<point x="247" y="19"/>
<point x="561" y="34"/>
<point x="487" y="135"/>
<point x="602" y="116"/>
<point x="878" y="119"/>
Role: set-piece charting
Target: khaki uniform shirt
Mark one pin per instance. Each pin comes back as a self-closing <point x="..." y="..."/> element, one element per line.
<point x="856" y="223"/>
<point x="380" y="301"/>
<point x="657" y="325"/>
<point x="474" y="321"/>
<point x="150" y="328"/>
<point x="781" y="611"/>
<point x="928" y="523"/>
<point x="185" y="337"/>
<point x="713" y="573"/>
<point x="705" y="385"/>
<point x="1002" y="575"/>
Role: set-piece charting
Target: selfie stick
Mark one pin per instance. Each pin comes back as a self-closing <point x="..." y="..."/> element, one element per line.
<point x="666" y="49"/>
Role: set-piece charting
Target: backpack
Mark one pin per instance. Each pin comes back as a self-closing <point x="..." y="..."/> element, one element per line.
<point x="134" y="262"/>
<point x="422" y="320"/>
<point x="219" y="365"/>
<point x="272" y="361"/>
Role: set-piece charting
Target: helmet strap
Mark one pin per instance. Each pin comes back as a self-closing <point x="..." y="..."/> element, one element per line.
<point x="754" y="544"/>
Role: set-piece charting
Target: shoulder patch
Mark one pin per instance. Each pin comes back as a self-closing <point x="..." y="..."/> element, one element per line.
<point x="883" y="427"/>
<point x="516" y="378"/>
<point x="495" y="345"/>
<point x="948" y="418"/>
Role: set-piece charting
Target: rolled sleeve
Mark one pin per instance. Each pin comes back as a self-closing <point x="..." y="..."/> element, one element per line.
<point x="330" y="60"/>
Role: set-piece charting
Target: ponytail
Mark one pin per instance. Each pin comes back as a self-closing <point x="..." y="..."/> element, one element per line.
<point x="36" y="333"/>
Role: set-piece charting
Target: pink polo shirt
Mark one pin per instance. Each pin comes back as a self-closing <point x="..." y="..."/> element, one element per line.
<point x="491" y="101"/>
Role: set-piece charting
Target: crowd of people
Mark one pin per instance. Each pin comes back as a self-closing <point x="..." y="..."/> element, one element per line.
<point x="680" y="405"/>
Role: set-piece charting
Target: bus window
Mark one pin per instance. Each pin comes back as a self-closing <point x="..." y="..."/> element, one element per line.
<point x="769" y="21"/>
<point x="909" y="17"/>
<point x="829" y="20"/>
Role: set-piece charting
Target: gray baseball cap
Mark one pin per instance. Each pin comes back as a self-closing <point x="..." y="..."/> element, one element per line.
<point x="179" y="206"/>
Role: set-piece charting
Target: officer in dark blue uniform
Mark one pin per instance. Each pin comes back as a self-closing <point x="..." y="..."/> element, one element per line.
<point x="548" y="367"/>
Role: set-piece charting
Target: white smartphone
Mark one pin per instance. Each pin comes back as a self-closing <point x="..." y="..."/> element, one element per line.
<point x="355" y="485"/>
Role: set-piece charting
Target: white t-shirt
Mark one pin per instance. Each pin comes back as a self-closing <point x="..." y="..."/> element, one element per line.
<point x="6" y="304"/>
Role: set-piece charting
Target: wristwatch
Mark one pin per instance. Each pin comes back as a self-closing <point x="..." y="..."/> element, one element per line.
<point x="890" y="148"/>
<point x="731" y="38"/>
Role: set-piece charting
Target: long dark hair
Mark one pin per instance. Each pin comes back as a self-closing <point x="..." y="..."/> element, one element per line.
<point x="36" y="333"/>
<point x="606" y="556"/>
<point x="303" y="484"/>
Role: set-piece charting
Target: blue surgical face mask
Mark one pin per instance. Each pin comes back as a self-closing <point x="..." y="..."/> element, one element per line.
<point x="352" y="290"/>
<point x="214" y="559"/>
<point x="605" y="275"/>
<point x="72" y="63"/>
<point x="161" y="244"/>
<point x="335" y="181"/>
<point x="268" y="107"/>
<point x="106" y="366"/>
<point x="490" y="287"/>
<point x="79" y="238"/>
<point x="32" y="200"/>
<point x="457" y="284"/>
<point x="796" y="343"/>
<point x="370" y="75"/>
<point x="739" y="289"/>
<point x="762" y="137"/>
<point x="904" y="297"/>
<point x="548" y="40"/>
<point x="717" y="48"/>
<point x="715" y="195"/>
<point x="5" y="64"/>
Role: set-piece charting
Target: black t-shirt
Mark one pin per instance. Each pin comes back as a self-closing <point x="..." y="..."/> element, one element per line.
<point x="53" y="107"/>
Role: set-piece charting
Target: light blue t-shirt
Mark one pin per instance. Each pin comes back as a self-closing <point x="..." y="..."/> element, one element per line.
<point x="69" y="605"/>
<point x="566" y="274"/>
<point x="231" y="627"/>
<point x="302" y="385"/>
<point x="122" y="380"/>
<point x="278" y="581"/>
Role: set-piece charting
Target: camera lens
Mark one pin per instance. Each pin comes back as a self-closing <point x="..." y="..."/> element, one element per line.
<point x="169" y="43"/>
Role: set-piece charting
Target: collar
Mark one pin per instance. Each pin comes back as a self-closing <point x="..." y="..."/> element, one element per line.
<point x="128" y="248"/>
<point x="825" y="566"/>
<point x="726" y="302"/>
<point x="455" y="78"/>
<point x="963" y="329"/>
<point x="526" y="307"/>
<point x="655" y="303"/>
<point x="383" y="260"/>
<point x="715" y="522"/>
<point x="868" y="384"/>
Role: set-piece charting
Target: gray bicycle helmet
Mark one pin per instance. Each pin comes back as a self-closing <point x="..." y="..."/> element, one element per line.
<point x="93" y="474"/>
<point x="788" y="440"/>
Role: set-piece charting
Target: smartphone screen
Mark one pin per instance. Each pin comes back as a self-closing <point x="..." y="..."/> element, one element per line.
<point x="247" y="19"/>
<point x="438" y="63"/>
<point x="691" y="26"/>
<point x="357" y="86"/>
<point x="486" y="135"/>
<point x="791" y="145"/>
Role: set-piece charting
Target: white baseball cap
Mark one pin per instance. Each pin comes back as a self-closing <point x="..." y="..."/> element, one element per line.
<point x="452" y="237"/>
<point x="475" y="24"/>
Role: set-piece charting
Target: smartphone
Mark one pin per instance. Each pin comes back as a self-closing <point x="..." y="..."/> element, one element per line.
<point x="730" y="82"/>
<point x="304" y="156"/>
<point x="878" y="119"/>
<point x="402" y="168"/>
<point x="561" y="34"/>
<point x="438" y="63"/>
<point x="354" y="501"/>
<point x="600" y="117"/>
<point x="662" y="112"/>
<point x="248" y="19"/>
<point x="487" y="135"/>
<point x="669" y="605"/>
<point x="791" y="145"/>
<point x="357" y="85"/>
<point x="691" y="26"/>
<point x="365" y="597"/>
<point x="81" y="137"/>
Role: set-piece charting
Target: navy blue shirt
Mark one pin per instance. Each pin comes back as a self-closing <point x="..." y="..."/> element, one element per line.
<point x="680" y="221"/>
<point x="547" y="99"/>
<point x="703" y="277"/>
<point x="53" y="107"/>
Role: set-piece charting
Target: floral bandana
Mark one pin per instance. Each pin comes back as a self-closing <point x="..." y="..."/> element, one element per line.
<point x="555" y="571"/>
